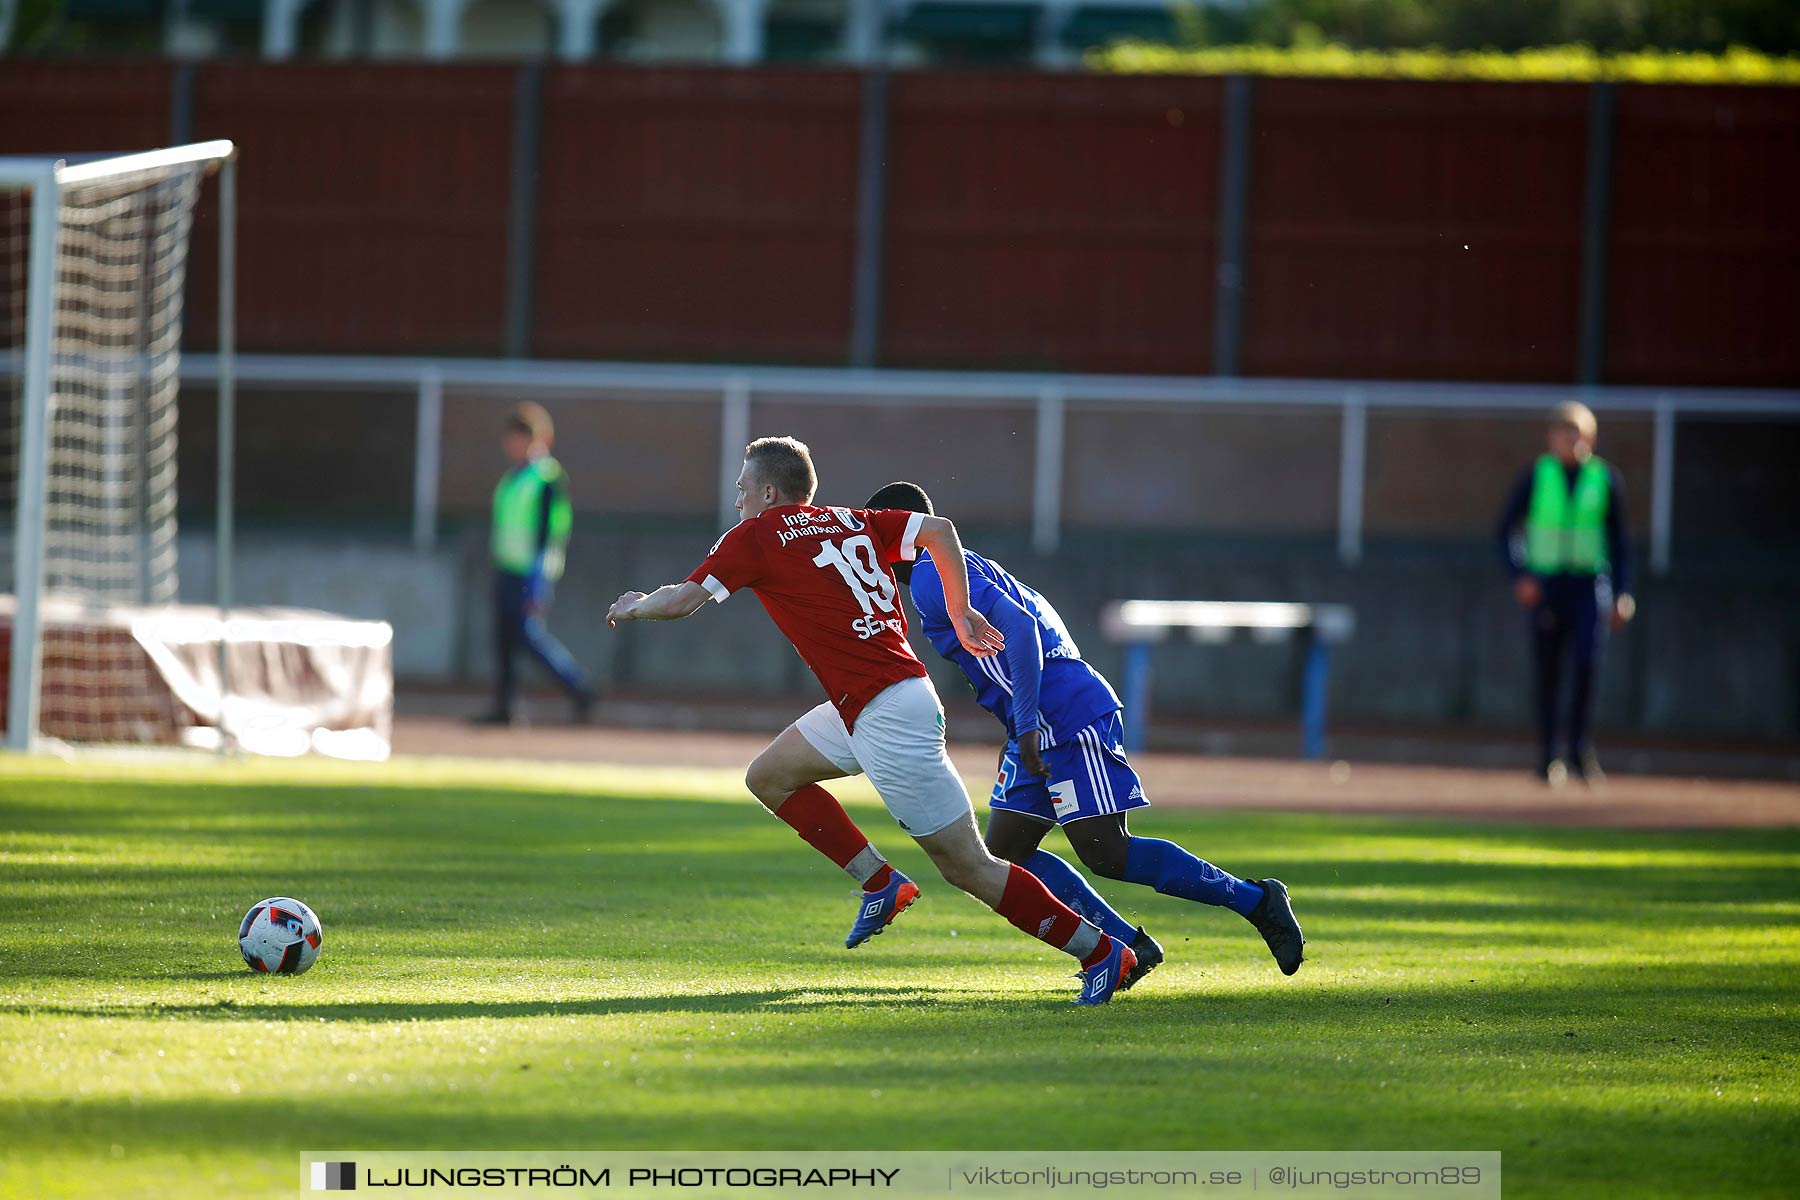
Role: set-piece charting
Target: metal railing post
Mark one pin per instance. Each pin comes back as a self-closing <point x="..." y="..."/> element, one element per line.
<point x="1662" y="485"/>
<point x="427" y="457"/>
<point x="734" y="435"/>
<point x="1046" y="484"/>
<point x="1352" y="456"/>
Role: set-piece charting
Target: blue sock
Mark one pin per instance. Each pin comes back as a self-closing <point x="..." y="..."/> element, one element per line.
<point x="1067" y="885"/>
<point x="1174" y="872"/>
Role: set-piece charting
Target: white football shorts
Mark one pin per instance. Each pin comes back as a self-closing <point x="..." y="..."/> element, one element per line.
<point x="899" y="744"/>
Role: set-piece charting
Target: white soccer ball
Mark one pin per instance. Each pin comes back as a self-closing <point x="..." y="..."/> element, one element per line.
<point x="280" y="936"/>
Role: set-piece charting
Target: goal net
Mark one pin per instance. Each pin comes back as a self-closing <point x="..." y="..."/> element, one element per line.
<point x="93" y="261"/>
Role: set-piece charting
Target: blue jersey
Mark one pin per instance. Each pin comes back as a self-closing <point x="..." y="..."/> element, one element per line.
<point x="1040" y="681"/>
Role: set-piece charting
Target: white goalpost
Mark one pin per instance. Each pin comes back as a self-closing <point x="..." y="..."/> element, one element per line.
<point x="95" y="257"/>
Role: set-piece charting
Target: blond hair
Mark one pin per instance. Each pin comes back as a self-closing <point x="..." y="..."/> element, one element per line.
<point x="784" y="462"/>
<point x="532" y="420"/>
<point x="1573" y="412"/>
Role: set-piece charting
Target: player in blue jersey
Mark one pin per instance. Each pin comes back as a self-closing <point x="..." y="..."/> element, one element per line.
<point x="1065" y="761"/>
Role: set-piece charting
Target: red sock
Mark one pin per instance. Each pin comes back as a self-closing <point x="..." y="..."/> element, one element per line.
<point x="823" y="824"/>
<point x="1028" y="904"/>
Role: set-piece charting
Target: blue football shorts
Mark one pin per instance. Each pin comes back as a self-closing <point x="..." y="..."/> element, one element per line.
<point x="1089" y="777"/>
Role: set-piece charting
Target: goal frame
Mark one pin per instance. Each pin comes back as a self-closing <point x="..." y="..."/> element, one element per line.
<point x="46" y="177"/>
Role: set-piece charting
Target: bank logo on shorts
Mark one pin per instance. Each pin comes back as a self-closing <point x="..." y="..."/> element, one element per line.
<point x="1063" y="796"/>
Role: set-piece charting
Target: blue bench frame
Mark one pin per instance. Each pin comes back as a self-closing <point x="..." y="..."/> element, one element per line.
<point x="1141" y="624"/>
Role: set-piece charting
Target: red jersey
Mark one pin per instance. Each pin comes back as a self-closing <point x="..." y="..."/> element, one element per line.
<point x="823" y="574"/>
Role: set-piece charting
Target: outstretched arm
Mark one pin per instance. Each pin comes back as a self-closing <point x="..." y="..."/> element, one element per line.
<point x="671" y="602"/>
<point x="979" y="638"/>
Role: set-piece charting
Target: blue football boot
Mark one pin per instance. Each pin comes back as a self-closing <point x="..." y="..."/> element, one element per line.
<point x="880" y="908"/>
<point x="1100" y="981"/>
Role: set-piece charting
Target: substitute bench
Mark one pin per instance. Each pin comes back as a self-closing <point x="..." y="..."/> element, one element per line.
<point x="1139" y="625"/>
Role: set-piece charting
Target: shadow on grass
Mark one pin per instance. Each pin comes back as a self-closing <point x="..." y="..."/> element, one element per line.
<point x="822" y="996"/>
<point x="1736" y="1008"/>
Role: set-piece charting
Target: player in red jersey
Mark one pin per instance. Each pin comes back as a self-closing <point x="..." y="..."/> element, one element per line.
<point x="823" y="574"/>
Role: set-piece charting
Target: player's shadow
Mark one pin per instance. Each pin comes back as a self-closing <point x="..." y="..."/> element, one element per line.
<point x="812" y="998"/>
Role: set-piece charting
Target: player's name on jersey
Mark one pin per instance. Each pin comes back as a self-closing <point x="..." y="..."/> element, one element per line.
<point x="817" y="524"/>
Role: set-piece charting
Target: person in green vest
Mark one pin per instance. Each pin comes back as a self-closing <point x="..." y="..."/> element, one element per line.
<point x="1563" y="537"/>
<point x="532" y="518"/>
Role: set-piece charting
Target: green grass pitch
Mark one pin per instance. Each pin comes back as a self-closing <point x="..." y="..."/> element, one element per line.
<point x="522" y="957"/>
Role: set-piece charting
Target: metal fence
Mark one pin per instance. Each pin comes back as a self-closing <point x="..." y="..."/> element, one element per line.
<point x="1052" y="398"/>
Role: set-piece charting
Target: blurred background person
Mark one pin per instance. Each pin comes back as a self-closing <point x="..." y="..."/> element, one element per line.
<point x="1563" y="537"/>
<point x="532" y="519"/>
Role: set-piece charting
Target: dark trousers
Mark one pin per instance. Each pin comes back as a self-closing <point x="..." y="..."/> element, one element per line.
<point x="514" y="627"/>
<point x="1569" y="625"/>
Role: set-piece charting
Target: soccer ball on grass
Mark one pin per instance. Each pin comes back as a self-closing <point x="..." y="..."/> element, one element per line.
<point x="280" y="936"/>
